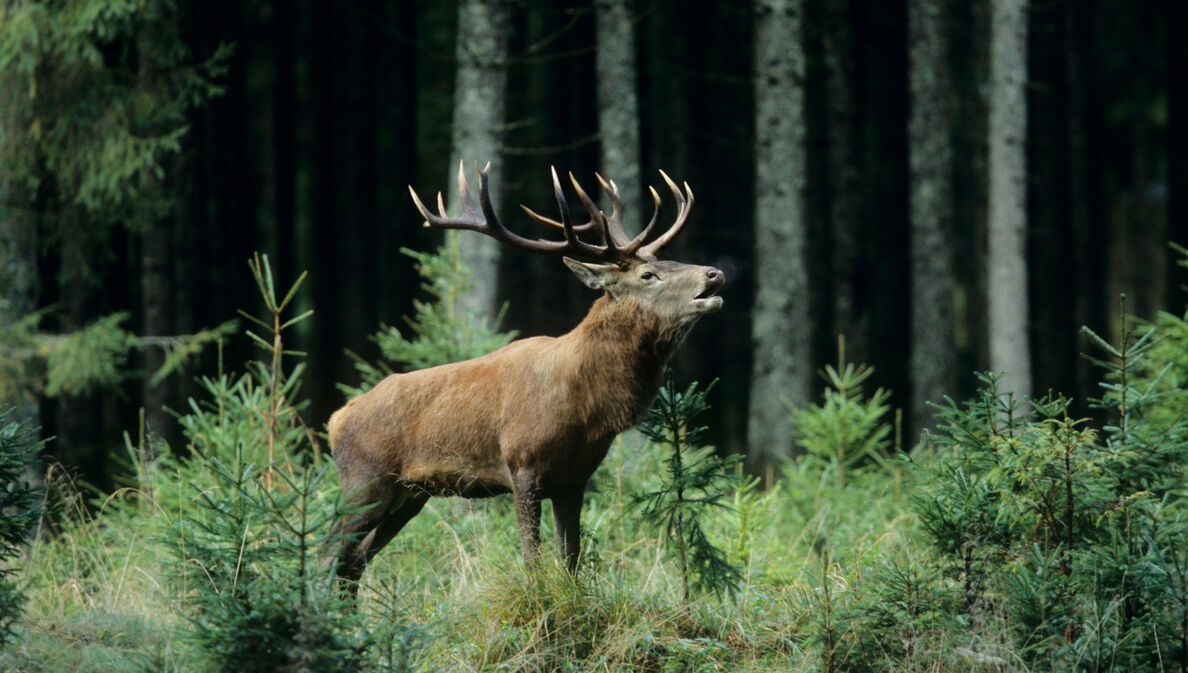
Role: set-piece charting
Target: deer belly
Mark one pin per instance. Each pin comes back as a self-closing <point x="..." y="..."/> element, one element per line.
<point x="468" y="479"/>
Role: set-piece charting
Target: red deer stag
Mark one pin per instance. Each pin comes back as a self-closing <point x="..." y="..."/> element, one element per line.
<point x="536" y="417"/>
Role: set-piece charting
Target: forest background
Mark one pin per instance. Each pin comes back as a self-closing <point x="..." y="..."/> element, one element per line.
<point x="954" y="186"/>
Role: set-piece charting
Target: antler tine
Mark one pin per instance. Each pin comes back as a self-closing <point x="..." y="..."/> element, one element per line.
<point x="615" y="220"/>
<point x="485" y="222"/>
<point x="634" y="246"/>
<point x="464" y="187"/>
<point x="421" y="206"/>
<point x="550" y="222"/>
<point x="595" y="214"/>
<point x="470" y="219"/>
<point x="562" y="204"/>
<point x="684" y="205"/>
<point x="566" y="223"/>
<point x="492" y="220"/>
<point x="481" y="217"/>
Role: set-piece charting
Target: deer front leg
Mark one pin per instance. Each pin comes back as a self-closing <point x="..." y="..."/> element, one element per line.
<point x="527" y="500"/>
<point x="567" y="512"/>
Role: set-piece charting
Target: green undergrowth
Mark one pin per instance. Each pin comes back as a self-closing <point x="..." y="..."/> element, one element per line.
<point x="450" y="592"/>
<point x="101" y="596"/>
<point x="1014" y="537"/>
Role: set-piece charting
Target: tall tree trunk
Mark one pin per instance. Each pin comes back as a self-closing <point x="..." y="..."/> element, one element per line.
<point x="154" y="277"/>
<point x="155" y="285"/>
<point x="969" y="24"/>
<point x="1084" y="215"/>
<point x="780" y="328"/>
<point x="618" y="103"/>
<point x="480" y="90"/>
<point x="155" y="294"/>
<point x="1177" y="125"/>
<point x="77" y="424"/>
<point x="845" y="196"/>
<point x="1010" y="351"/>
<point x="18" y="261"/>
<point x="933" y="359"/>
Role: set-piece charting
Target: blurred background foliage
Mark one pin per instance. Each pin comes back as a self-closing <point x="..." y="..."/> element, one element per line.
<point x="150" y="146"/>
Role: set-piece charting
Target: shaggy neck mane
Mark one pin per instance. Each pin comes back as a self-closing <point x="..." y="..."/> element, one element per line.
<point x="622" y="349"/>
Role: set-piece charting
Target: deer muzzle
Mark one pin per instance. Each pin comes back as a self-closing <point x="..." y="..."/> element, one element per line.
<point x="707" y="300"/>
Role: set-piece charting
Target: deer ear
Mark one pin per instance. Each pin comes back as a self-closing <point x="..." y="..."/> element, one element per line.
<point x="593" y="276"/>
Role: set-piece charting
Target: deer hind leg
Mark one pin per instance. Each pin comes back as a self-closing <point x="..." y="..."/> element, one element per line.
<point x="567" y="511"/>
<point x="363" y="535"/>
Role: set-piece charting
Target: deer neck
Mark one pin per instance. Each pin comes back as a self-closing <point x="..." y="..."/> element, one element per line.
<point x="622" y="352"/>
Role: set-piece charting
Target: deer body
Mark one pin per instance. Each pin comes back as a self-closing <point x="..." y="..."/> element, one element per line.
<point x="534" y="418"/>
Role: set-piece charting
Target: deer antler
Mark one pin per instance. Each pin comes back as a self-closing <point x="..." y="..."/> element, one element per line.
<point x="684" y="205"/>
<point x="616" y="246"/>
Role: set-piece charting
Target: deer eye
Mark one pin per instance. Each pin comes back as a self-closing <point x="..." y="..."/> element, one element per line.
<point x="647" y="275"/>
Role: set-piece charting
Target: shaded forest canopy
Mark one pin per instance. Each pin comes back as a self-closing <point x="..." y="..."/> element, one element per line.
<point x="324" y="114"/>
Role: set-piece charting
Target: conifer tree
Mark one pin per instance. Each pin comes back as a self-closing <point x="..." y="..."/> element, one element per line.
<point x="780" y="329"/>
<point x="618" y="102"/>
<point x="18" y="512"/>
<point x="1006" y="265"/>
<point x="95" y="104"/>
<point x="696" y="482"/>
<point x="480" y="93"/>
<point x="930" y="154"/>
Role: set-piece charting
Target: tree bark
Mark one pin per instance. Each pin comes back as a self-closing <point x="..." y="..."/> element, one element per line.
<point x="933" y="359"/>
<point x="970" y="27"/>
<point x="18" y="272"/>
<point x="1177" y="127"/>
<point x="618" y="103"/>
<point x="780" y="329"/>
<point x="844" y="180"/>
<point x="1007" y="208"/>
<point x="155" y="295"/>
<point x="19" y="282"/>
<point x="480" y="90"/>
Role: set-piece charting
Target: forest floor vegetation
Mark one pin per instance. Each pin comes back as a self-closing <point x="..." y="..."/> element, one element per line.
<point x="1012" y="538"/>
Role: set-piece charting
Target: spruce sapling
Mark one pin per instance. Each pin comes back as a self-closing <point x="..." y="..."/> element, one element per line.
<point x="18" y="510"/>
<point x="443" y="329"/>
<point x="695" y="483"/>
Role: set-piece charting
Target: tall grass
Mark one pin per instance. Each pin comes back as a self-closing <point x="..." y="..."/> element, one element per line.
<point x="101" y="598"/>
<point x="864" y="556"/>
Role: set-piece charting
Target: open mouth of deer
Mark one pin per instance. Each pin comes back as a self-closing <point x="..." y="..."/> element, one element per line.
<point x="708" y="301"/>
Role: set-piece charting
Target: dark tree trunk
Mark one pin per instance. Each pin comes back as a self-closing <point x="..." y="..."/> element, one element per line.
<point x="19" y="282"/>
<point x="780" y="327"/>
<point x="933" y="344"/>
<point x="1084" y="191"/>
<point x="618" y="103"/>
<point x="156" y="293"/>
<point x="844" y="172"/>
<point x="1177" y="126"/>
<point x="971" y="30"/>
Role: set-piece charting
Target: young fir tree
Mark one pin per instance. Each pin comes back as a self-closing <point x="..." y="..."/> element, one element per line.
<point x="695" y="483"/>
<point x="1069" y="531"/>
<point x="445" y="329"/>
<point x="94" y="111"/>
<point x="18" y="512"/>
<point x="847" y="430"/>
<point x="96" y="98"/>
<point x="259" y="513"/>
